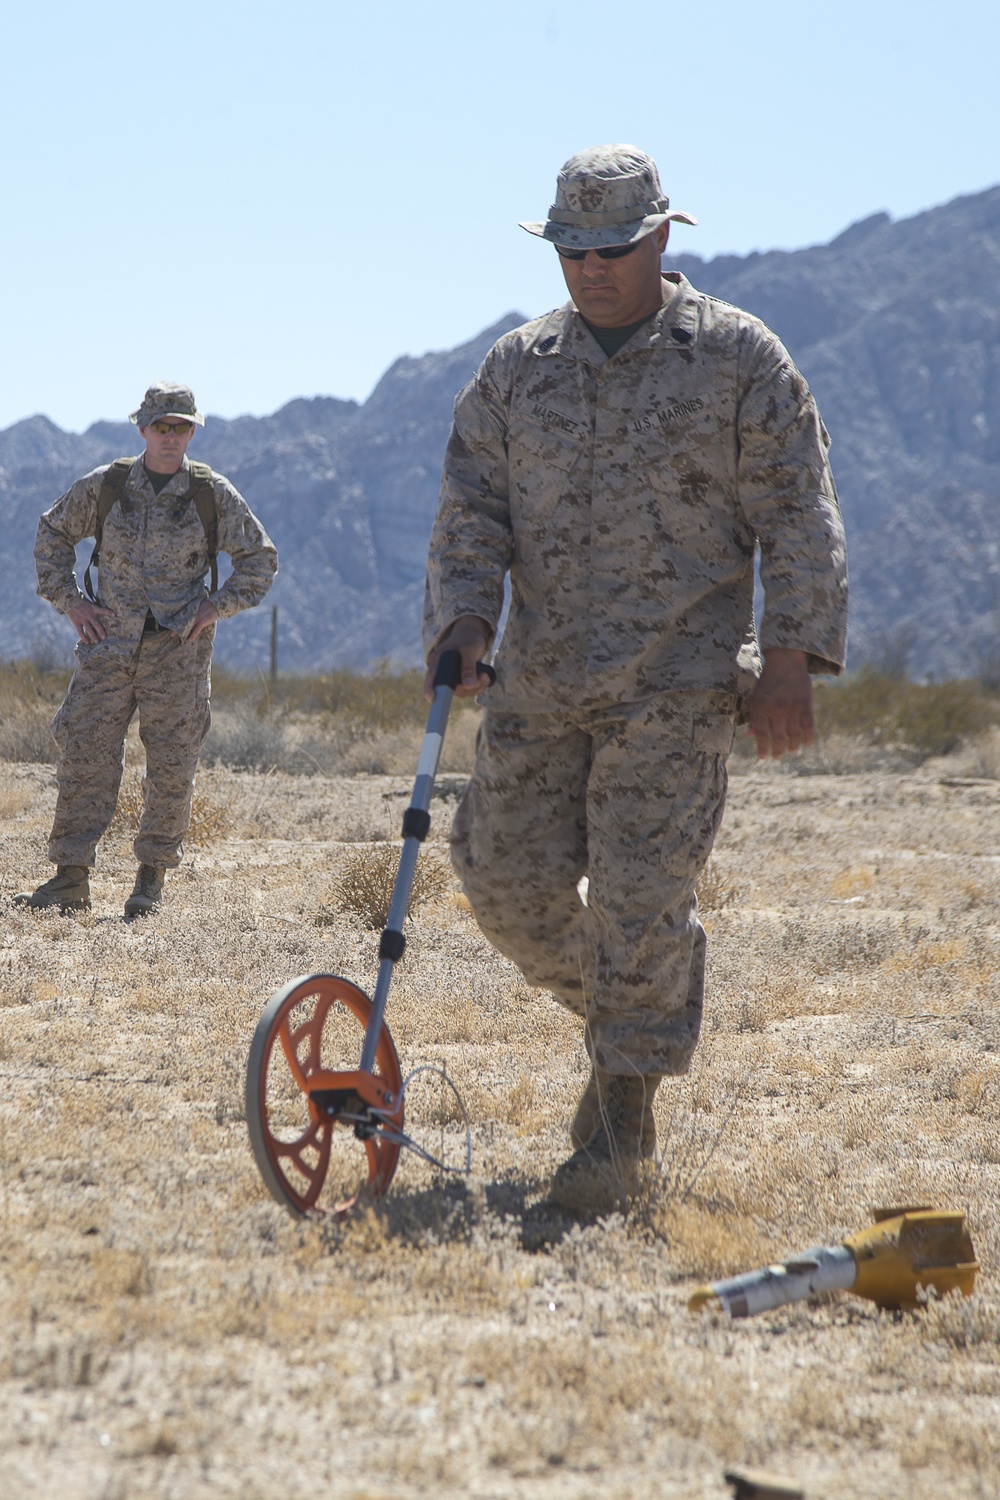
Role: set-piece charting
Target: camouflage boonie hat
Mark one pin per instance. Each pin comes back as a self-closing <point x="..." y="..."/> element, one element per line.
<point x="609" y="195"/>
<point x="167" y="399"/>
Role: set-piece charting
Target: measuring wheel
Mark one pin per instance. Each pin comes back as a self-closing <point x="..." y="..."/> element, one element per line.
<point x="322" y="1132"/>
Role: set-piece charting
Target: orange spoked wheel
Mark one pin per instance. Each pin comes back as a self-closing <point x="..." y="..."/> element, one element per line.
<point x="322" y="1133"/>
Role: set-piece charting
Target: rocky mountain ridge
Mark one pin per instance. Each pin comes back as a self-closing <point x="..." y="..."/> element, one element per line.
<point x="896" y="325"/>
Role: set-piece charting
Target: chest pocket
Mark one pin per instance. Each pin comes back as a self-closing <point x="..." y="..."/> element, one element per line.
<point x="530" y="444"/>
<point x="182" y="510"/>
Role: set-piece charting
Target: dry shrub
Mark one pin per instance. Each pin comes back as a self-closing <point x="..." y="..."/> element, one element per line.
<point x="28" y="698"/>
<point x="708" y="1241"/>
<point x="714" y="890"/>
<point x="925" y="718"/>
<point x="365" y="884"/>
<point x="246" y="739"/>
<point x="522" y="1101"/>
<point x="690" y="1134"/>
<point x="210" y="819"/>
<point x="365" y="702"/>
<point x="750" y="1012"/>
<point x="380" y="753"/>
<point x="935" y="718"/>
<point x="128" y="810"/>
<point x="925" y="955"/>
<point x="346" y="722"/>
<point x="824" y="1404"/>
<point x="25" y="684"/>
<point x="26" y="736"/>
<point x="15" y="800"/>
<point x="984" y="758"/>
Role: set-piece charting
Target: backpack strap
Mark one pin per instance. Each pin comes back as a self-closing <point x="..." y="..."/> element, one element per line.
<point x="111" y="491"/>
<point x="201" y="491"/>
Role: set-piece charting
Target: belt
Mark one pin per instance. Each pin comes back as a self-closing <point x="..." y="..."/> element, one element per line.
<point x="151" y="624"/>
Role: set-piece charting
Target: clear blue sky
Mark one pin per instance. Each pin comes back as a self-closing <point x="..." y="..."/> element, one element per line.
<point x="276" y="200"/>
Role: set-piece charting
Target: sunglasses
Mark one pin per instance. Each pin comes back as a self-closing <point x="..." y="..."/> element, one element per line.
<point x="181" y="428"/>
<point x="607" y="252"/>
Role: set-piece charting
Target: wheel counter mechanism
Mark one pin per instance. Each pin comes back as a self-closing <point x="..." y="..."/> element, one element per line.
<point x="325" y="1094"/>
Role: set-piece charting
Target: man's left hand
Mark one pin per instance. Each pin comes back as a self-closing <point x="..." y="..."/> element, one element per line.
<point x="207" y="615"/>
<point x="781" y="712"/>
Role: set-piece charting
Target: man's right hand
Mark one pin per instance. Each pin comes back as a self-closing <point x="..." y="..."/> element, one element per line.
<point x="469" y="635"/>
<point x="87" y="619"/>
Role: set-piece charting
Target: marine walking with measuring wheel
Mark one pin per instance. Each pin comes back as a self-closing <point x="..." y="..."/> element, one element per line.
<point x="145" y="632"/>
<point x="620" y="461"/>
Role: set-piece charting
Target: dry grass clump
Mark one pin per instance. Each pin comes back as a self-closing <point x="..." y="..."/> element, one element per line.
<point x="26" y="735"/>
<point x="210" y="819"/>
<point x="714" y="889"/>
<point x="28" y="700"/>
<point x="245" y="738"/>
<point x="25" y="684"/>
<point x="364" y="884"/>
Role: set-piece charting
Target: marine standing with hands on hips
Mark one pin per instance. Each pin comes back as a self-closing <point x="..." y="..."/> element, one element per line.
<point x="620" y="460"/>
<point x="145" y="639"/>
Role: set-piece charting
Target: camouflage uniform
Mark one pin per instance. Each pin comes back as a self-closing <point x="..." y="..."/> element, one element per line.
<point x="154" y="558"/>
<point x="624" y="497"/>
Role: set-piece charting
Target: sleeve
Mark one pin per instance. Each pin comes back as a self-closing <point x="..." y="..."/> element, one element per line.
<point x="471" y="542"/>
<point x="252" y="553"/>
<point x="788" y="497"/>
<point x="68" y="521"/>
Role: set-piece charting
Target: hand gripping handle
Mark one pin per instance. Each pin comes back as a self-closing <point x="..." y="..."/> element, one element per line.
<point x="449" y="670"/>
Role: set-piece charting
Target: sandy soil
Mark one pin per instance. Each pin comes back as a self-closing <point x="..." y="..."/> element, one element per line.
<point x="169" y="1331"/>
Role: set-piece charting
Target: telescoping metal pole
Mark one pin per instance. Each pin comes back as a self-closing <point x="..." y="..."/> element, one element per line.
<point x="416" y="823"/>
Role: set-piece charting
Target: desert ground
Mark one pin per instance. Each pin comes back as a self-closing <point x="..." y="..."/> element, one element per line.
<point x="169" y="1331"/>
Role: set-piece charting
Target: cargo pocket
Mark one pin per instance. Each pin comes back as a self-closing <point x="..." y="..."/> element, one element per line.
<point x="700" y="795"/>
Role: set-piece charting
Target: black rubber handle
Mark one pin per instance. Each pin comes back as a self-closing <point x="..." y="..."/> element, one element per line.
<point x="449" y="670"/>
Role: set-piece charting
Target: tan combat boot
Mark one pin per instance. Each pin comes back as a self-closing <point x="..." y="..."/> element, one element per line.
<point x="146" y="892"/>
<point x="69" y="889"/>
<point x="588" y="1111"/>
<point x="598" y="1178"/>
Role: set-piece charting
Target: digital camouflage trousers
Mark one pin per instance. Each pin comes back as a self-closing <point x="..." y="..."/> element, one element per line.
<point x="168" y="683"/>
<point x="631" y="797"/>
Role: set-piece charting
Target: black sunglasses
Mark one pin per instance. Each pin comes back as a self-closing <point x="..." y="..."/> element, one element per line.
<point x="607" y="252"/>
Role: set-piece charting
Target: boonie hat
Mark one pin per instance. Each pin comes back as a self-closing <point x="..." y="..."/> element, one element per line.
<point x="167" y="399"/>
<point x="609" y="195"/>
